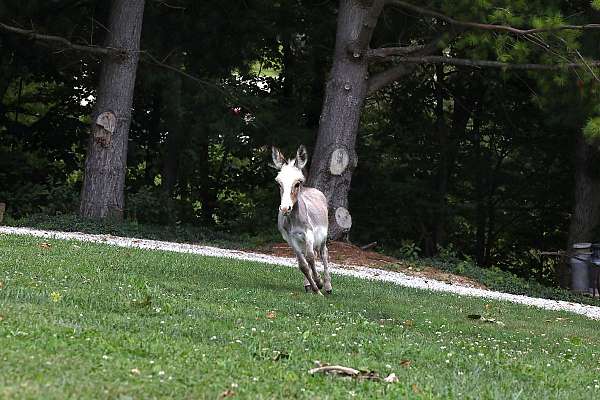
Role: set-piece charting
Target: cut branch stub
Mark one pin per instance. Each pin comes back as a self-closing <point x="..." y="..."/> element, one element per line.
<point x="108" y="121"/>
<point x="104" y="127"/>
<point x="339" y="161"/>
<point x="343" y="218"/>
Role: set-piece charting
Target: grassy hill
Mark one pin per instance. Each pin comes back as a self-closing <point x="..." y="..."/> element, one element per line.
<point x="80" y="320"/>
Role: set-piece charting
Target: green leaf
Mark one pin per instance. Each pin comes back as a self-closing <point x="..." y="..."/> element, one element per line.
<point x="591" y="130"/>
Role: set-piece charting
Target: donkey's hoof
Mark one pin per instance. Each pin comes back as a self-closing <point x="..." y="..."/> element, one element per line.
<point x="329" y="291"/>
<point x="307" y="288"/>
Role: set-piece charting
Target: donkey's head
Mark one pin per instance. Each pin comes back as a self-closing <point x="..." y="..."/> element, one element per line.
<point x="290" y="177"/>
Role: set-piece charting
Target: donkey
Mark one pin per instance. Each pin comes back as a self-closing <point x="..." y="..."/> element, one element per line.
<point x="303" y="219"/>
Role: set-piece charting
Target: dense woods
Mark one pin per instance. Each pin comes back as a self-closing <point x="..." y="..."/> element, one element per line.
<point x="456" y="126"/>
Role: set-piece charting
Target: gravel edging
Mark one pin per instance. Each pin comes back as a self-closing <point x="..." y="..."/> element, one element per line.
<point x="398" y="278"/>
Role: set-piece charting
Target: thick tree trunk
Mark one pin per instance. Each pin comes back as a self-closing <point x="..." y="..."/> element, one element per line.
<point x="586" y="208"/>
<point x="449" y="145"/>
<point x="173" y="118"/>
<point x="334" y="157"/>
<point x="480" y="206"/>
<point x="102" y="195"/>
<point x="207" y="180"/>
<point x="438" y="232"/>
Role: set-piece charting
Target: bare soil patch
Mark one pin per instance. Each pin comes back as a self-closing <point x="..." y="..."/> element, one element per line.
<point x="348" y="255"/>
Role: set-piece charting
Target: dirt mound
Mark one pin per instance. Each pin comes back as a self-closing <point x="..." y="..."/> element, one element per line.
<point x="350" y="255"/>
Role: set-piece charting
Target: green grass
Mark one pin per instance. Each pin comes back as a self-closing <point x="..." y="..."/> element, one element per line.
<point x="493" y="278"/>
<point x="78" y="318"/>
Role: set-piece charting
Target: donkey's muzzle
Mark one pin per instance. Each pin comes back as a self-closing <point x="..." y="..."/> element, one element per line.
<point x="285" y="209"/>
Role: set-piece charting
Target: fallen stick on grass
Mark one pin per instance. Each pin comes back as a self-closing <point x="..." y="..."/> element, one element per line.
<point x="336" y="369"/>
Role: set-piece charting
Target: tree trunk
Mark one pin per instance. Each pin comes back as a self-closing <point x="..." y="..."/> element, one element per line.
<point x="438" y="232"/>
<point x="480" y="206"/>
<point x="449" y="146"/>
<point x="102" y="195"/>
<point x="173" y="118"/>
<point x="586" y="208"/>
<point x="334" y="157"/>
<point x="208" y="181"/>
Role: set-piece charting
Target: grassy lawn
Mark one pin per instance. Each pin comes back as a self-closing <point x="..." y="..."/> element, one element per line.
<point x="83" y="320"/>
<point x="492" y="278"/>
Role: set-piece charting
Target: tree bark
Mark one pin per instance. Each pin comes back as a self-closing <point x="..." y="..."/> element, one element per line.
<point x="463" y="107"/>
<point x="480" y="206"/>
<point x="102" y="195"/>
<point x="174" y="126"/>
<point x="441" y="184"/>
<point x="586" y="207"/>
<point x="345" y="94"/>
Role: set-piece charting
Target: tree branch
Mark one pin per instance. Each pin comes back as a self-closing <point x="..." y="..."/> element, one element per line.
<point x="494" y="64"/>
<point x="382" y="79"/>
<point x="104" y="51"/>
<point x="489" y="27"/>
<point x="383" y="53"/>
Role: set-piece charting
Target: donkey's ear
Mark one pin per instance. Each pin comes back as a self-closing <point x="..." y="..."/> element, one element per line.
<point x="278" y="159"/>
<point x="301" y="157"/>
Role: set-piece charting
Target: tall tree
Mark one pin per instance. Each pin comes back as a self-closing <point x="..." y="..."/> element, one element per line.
<point x="335" y="157"/>
<point x="349" y="83"/>
<point x="586" y="207"/>
<point x="102" y="195"/>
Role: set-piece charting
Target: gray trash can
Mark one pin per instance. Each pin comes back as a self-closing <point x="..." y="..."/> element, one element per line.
<point x="580" y="261"/>
<point x="594" y="270"/>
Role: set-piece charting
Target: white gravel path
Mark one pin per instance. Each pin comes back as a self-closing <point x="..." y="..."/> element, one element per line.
<point x="398" y="278"/>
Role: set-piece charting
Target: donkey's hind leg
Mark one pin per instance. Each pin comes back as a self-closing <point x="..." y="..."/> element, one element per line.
<point x="306" y="285"/>
<point x="305" y="268"/>
<point x="324" y="253"/>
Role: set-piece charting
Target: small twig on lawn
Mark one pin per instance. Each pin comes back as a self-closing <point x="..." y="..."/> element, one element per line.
<point x="336" y="369"/>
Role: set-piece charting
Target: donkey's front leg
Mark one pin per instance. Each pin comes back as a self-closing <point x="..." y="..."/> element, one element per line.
<point x="310" y="258"/>
<point x="308" y="279"/>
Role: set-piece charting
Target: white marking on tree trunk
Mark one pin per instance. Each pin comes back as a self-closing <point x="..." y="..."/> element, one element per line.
<point x="372" y="274"/>
<point x="339" y="161"/>
<point x="107" y="121"/>
<point x="343" y="218"/>
<point x="105" y="126"/>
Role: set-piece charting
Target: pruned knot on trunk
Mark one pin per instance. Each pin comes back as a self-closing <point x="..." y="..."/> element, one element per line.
<point x="104" y="127"/>
<point x="343" y="218"/>
<point x="339" y="161"/>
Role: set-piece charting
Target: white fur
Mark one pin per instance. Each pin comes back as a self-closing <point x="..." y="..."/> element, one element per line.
<point x="287" y="177"/>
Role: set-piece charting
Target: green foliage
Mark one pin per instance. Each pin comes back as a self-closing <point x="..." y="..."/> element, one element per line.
<point x="591" y="130"/>
<point x="409" y="250"/>
<point x="174" y="231"/>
